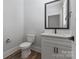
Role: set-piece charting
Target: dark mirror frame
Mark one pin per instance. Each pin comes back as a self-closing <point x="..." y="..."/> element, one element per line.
<point x="68" y="16"/>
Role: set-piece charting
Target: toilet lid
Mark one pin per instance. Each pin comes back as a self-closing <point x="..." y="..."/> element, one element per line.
<point x="25" y="44"/>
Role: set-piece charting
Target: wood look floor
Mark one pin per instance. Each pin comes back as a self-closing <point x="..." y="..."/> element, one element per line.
<point x="33" y="55"/>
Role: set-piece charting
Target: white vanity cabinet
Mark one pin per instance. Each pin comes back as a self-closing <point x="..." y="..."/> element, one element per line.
<point x="56" y="47"/>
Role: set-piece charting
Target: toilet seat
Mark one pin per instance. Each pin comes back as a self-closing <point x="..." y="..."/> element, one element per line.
<point x="25" y="44"/>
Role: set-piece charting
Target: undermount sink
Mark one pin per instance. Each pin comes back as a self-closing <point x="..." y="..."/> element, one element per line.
<point x="57" y="35"/>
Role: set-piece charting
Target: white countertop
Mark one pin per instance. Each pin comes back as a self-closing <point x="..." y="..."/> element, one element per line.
<point x="56" y="35"/>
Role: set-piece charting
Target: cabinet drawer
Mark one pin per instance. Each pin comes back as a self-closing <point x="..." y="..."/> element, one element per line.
<point x="53" y="42"/>
<point x="62" y="40"/>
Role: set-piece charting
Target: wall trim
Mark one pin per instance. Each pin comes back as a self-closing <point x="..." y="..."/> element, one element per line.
<point x="10" y="51"/>
<point x="36" y="48"/>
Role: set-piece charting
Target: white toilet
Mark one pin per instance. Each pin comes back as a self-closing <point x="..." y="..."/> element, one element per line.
<point x="25" y="46"/>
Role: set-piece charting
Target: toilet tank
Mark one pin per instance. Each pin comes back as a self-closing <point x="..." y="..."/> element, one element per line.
<point x="30" y="37"/>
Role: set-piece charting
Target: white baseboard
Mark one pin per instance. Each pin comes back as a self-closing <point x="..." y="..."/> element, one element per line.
<point x="35" y="48"/>
<point x="10" y="51"/>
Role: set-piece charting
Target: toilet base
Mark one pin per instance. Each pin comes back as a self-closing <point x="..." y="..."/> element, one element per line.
<point x="25" y="53"/>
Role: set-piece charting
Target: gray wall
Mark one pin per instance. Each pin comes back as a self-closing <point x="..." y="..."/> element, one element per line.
<point x="13" y="18"/>
<point x="34" y="19"/>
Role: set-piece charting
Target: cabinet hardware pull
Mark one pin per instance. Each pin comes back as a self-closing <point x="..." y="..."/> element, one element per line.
<point x="55" y="50"/>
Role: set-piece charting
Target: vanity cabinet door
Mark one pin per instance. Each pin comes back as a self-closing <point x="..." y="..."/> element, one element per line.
<point x="47" y="51"/>
<point x="64" y="52"/>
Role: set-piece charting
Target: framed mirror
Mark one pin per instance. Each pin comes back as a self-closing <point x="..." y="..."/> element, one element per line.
<point x="57" y="14"/>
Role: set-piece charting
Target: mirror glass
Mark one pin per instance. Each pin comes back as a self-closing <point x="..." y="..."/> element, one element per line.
<point x="56" y="14"/>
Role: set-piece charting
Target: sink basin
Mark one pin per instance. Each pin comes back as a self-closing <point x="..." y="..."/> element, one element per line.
<point x="57" y="35"/>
